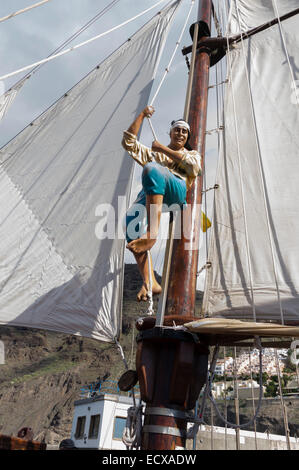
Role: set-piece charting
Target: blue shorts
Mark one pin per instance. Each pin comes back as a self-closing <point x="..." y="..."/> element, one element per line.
<point x="156" y="179"/>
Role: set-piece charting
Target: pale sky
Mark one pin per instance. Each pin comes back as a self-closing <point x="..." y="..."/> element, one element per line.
<point x="33" y="35"/>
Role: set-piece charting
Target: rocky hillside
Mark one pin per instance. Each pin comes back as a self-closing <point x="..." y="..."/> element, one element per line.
<point x="44" y="372"/>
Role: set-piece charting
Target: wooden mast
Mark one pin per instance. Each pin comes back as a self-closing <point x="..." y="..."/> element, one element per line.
<point x="182" y="284"/>
<point x="172" y="364"/>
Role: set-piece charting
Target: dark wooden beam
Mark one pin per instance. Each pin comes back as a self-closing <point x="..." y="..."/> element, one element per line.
<point x="222" y="42"/>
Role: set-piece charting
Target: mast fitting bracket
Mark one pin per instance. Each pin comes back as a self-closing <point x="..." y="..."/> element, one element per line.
<point x="216" y="47"/>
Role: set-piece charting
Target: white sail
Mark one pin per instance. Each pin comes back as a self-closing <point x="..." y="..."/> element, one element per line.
<point x="254" y="247"/>
<point x="56" y="273"/>
<point x="245" y="14"/>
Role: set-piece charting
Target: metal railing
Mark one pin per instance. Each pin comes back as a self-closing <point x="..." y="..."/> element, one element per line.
<point x="108" y="386"/>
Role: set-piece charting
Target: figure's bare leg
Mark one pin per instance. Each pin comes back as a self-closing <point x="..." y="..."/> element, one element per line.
<point x="142" y="262"/>
<point x="154" y="209"/>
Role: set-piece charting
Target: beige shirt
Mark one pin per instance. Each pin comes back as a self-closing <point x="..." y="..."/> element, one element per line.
<point x="188" y="168"/>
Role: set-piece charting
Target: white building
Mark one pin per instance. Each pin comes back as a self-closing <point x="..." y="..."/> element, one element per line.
<point x="99" y="422"/>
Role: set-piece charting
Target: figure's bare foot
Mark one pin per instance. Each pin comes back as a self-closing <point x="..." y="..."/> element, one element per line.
<point x="143" y="293"/>
<point x="141" y="245"/>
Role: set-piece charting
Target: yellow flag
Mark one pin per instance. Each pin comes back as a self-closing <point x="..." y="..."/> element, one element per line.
<point x="205" y="222"/>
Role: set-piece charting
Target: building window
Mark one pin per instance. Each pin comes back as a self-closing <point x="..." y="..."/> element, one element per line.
<point x="80" y="427"/>
<point x="119" y="425"/>
<point x="94" y="426"/>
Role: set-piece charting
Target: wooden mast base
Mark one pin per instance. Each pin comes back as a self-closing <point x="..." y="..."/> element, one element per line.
<point x="172" y="369"/>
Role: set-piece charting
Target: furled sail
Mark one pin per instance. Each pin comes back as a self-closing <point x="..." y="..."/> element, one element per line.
<point x="254" y="249"/>
<point x="59" y="177"/>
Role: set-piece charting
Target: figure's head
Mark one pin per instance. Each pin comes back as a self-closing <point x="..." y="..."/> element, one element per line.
<point x="179" y="134"/>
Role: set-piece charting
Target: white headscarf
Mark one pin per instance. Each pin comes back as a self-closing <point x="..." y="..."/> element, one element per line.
<point x="180" y="123"/>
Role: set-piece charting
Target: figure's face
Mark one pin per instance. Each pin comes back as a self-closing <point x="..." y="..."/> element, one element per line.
<point x="178" y="137"/>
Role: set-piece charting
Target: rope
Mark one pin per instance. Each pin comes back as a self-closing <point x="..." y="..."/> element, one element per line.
<point x="79" y="45"/>
<point x="152" y="129"/>
<point x="216" y="21"/>
<point x="236" y="401"/>
<point x="76" y="34"/>
<point x="252" y="397"/>
<point x="284" y="413"/>
<point x="150" y="310"/>
<point x="169" y="66"/>
<point x="132" y="432"/>
<point x="216" y="186"/>
<point x="23" y="10"/>
<point x="218" y="84"/>
<point x="173" y="54"/>
<point x="263" y="182"/>
<point x="217" y="129"/>
<point x="233" y="425"/>
<point x="219" y="88"/>
<point x="131" y="436"/>
<point x="121" y="353"/>
<point x="225" y="394"/>
<point x="10" y="94"/>
<point x="286" y="50"/>
<point x="242" y="185"/>
<point x="205" y="266"/>
<point x="193" y="430"/>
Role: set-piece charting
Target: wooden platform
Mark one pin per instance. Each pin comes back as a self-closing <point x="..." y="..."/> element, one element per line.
<point x="226" y="326"/>
<point x="227" y="332"/>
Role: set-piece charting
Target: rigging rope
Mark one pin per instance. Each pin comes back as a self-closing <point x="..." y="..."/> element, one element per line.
<point x="252" y="397"/>
<point x="210" y="394"/>
<point x="132" y="432"/>
<point x="81" y="44"/>
<point x="225" y="394"/>
<point x="219" y="87"/>
<point x="284" y="413"/>
<point x="236" y="401"/>
<point x="173" y="54"/>
<point x="261" y="174"/>
<point x="241" y="181"/>
<point x="169" y="66"/>
<point x="286" y="50"/>
<point x="9" y="95"/>
<point x="75" y="35"/>
<point x="121" y="353"/>
<point x="150" y="310"/>
<point x="23" y="10"/>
